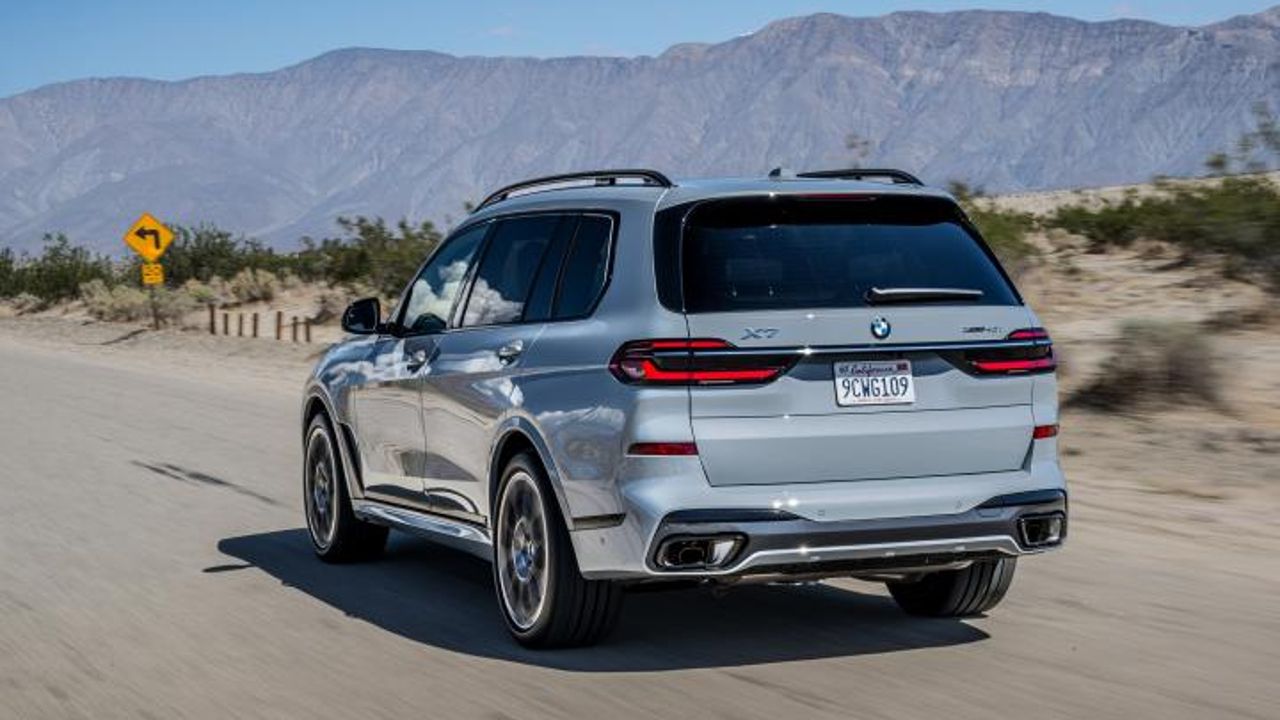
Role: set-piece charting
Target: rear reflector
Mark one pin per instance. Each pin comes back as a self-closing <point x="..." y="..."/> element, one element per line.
<point x="1042" y="432"/>
<point x="694" y="362"/>
<point x="663" y="448"/>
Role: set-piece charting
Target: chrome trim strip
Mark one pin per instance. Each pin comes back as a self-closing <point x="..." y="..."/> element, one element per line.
<point x="803" y="554"/>
<point x="862" y="348"/>
<point x="446" y="531"/>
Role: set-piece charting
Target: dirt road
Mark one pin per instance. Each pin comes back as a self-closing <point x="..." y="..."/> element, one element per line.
<point x="153" y="564"/>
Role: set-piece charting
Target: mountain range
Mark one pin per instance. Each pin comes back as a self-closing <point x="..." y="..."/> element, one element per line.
<point x="1003" y="100"/>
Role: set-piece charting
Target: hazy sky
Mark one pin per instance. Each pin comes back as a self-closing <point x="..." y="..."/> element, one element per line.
<point x="44" y="41"/>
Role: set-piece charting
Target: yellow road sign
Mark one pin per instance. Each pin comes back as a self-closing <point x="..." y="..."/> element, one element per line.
<point x="148" y="237"/>
<point x="152" y="274"/>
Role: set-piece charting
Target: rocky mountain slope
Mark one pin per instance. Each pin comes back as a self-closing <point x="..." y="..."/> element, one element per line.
<point x="1006" y="100"/>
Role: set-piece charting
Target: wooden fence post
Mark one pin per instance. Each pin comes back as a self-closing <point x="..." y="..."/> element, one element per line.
<point x="239" y="324"/>
<point x="295" y="328"/>
<point x="279" y="325"/>
<point x="306" y="325"/>
<point x="213" y="320"/>
<point x="255" y="324"/>
<point x="226" y="323"/>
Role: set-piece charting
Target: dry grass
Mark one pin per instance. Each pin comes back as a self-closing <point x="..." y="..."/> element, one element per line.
<point x="1154" y="364"/>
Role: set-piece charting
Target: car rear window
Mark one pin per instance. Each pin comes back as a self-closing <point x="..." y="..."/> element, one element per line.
<point x="780" y="253"/>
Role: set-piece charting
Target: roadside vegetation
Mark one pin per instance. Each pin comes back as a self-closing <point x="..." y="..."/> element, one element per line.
<point x="206" y="265"/>
<point x="1154" y="364"/>
<point x="1005" y="231"/>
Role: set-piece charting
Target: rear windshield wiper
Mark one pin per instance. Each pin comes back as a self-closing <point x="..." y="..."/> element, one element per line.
<point x="886" y="296"/>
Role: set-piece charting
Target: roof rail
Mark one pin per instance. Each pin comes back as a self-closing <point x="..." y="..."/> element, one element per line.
<point x="601" y="177"/>
<point x="897" y="177"/>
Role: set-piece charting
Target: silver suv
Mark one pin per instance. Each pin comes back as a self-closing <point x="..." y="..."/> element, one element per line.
<point x="608" y="379"/>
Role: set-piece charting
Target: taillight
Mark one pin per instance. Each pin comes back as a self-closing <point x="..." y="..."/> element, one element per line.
<point x="1036" y="357"/>
<point x="700" y="361"/>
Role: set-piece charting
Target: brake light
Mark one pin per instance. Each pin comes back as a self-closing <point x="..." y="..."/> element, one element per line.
<point x="694" y="362"/>
<point x="1035" y="358"/>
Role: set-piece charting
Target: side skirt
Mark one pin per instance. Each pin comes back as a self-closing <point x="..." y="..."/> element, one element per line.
<point x="446" y="531"/>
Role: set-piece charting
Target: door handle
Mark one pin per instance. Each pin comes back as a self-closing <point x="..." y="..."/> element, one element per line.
<point x="510" y="351"/>
<point x="416" y="361"/>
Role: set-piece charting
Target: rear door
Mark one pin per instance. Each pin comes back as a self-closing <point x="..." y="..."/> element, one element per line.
<point x="473" y="381"/>
<point x="872" y="298"/>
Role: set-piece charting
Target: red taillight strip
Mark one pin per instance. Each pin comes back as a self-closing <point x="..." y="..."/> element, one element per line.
<point x="1015" y="366"/>
<point x="663" y="449"/>
<point x="653" y="373"/>
<point x="641" y="362"/>
<point x="1043" y="432"/>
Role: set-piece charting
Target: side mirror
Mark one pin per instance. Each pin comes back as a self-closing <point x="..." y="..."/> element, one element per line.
<point x="362" y="317"/>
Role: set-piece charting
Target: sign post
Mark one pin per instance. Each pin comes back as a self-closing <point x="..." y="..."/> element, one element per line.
<point x="149" y="238"/>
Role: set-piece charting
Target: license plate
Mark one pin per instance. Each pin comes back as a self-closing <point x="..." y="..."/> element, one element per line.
<point x="882" y="382"/>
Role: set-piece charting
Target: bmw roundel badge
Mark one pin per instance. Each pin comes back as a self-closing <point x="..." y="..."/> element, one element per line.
<point x="880" y="328"/>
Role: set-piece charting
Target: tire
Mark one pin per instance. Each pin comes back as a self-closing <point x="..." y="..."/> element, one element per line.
<point x="337" y="535"/>
<point x="957" y="593"/>
<point x="541" y="593"/>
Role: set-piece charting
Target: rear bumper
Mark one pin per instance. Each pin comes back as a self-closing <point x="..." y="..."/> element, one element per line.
<point x="785" y="544"/>
<point x="825" y="529"/>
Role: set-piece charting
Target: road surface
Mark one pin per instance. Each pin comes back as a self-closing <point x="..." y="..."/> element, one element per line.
<point x="153" y="564"/>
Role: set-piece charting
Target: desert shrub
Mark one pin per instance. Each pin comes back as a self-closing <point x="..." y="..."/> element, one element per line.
<point x="24" y="303"/>
<point x="1005" y="231"/>
<point x="250" y="285"/>
<point x="205" y="252"/>
<point x="174" y="305"/>
<point x="290" y="281"/>
<point x="114" y="302"/>
<point x="127" y="303"/>
<point x="369" y="253"/>
<point x="56" y="273"/>
<point x="329" y="306"/>
<point x="1236" y="218"/>
<point x="1154" y="363"/>
<point x="204" y="293"/>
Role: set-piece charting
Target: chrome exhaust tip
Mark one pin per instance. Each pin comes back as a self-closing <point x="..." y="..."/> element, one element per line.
<point x="1040" y="531"/>
<point x="697" y="553"/>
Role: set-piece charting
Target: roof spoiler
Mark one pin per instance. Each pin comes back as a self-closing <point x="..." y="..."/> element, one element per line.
<point x="599" y="178"/>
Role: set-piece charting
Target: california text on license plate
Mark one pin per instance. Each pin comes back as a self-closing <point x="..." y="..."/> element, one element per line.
<point x="883" y="382"/>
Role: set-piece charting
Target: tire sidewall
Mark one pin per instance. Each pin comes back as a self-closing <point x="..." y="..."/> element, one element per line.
<point x="319" y="425"/>
<point x="555" y="549"/>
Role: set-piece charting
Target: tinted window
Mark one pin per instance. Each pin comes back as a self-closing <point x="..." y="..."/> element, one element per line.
<point x="788" y="253"/>
<point x="507" y="269"/>
<point x="586" y="267"/>
<point x="538" y="307"/>
<point x="432" y="295"/>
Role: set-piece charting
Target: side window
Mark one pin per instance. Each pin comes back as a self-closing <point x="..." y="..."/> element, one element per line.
<point x="508" y="267"/>
<point x="433" y="293"/>
<point x="543" y="294"/>
<point x="586" y="268"/>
